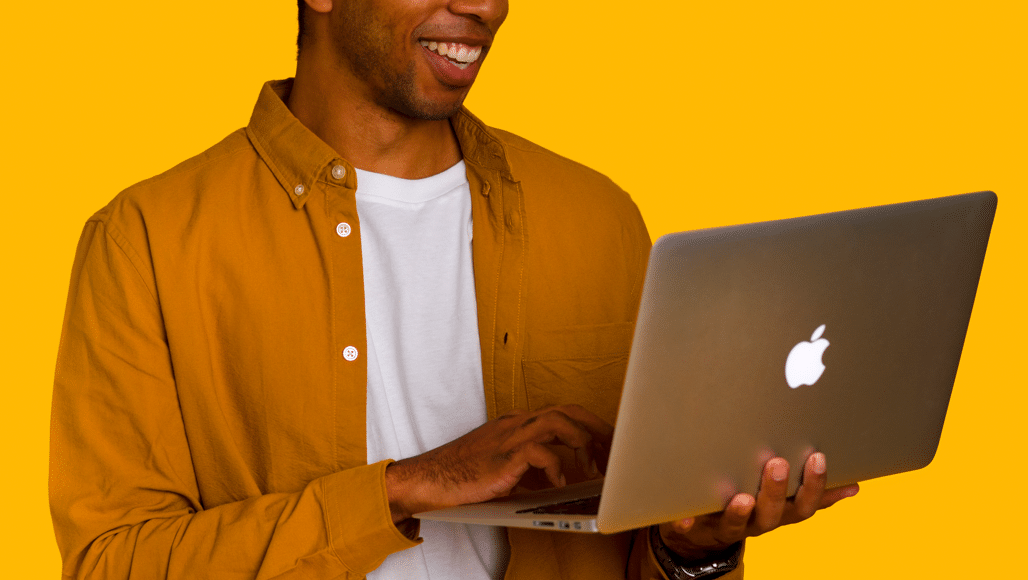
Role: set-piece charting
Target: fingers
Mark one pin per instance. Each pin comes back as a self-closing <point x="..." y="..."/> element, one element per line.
<point x="601" y="431"/>
<point x="693" y="538"/>
<point x="735" y="520"/>
<point x="812" y="495"/>
<point x="746" y="516"/>
<point x="554" y="424"/>
<point x="771" y="499"/>
<point x="522" y="434"/>
<point x="832" y="496"/>
<point x="809" y="497"/>
<point x="537" y="455"/>
<point x="602" y="434"/>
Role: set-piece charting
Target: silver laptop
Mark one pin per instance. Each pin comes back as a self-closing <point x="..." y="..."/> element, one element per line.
<point x="838" y="333"/>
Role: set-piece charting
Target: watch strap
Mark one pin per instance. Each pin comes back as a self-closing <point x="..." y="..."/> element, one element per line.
<point x="676" y="568"/>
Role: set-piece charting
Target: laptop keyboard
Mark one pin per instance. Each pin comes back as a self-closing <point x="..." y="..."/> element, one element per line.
<point x="586" y="506"/>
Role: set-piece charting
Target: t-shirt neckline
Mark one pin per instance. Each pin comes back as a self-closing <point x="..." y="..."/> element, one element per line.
<point x="370" y="185"/>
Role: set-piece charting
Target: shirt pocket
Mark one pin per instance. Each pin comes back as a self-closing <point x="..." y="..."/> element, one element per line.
<point x="582" y="365"/>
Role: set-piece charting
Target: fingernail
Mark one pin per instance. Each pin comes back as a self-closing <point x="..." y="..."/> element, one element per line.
<point x="819" y="464"/>
<point x="743" y="500"/>
<point x="780" y="471"/>
<point x="563" y="480"/>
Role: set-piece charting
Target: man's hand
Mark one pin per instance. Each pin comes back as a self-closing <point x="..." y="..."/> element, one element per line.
<point x="695" y="538"/>
<point x="489" y="461"/>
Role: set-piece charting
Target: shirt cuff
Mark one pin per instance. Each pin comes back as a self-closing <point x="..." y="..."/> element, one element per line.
<point x="360" y="525"/>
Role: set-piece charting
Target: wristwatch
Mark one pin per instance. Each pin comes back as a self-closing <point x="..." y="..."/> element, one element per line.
<point x="675" y="568"/>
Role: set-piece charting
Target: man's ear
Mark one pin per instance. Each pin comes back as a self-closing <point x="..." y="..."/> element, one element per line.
<point x="323" y="6"/>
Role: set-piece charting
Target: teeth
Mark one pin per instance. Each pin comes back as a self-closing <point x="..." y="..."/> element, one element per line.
<point x="462" y="54"/>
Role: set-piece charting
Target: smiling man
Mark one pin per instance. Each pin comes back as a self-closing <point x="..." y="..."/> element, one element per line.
<point x="363" y="305"/>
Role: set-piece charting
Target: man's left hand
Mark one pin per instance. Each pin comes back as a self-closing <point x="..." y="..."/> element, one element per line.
<point x="746" y="516"/>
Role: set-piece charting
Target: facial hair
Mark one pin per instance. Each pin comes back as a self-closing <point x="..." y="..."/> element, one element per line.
<point x="364" y="44"/>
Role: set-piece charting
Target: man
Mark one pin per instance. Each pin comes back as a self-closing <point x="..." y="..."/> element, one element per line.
<point x="365" y="273"/>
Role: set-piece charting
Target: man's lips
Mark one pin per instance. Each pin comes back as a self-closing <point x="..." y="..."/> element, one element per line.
<point x="459" y="54"/>
<point x="454" y="63"/>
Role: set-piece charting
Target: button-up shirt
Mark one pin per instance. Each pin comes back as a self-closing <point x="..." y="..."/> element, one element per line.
<point x="209" y="402"/>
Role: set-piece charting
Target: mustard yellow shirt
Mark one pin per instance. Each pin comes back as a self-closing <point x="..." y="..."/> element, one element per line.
<point x="209" y="401"/>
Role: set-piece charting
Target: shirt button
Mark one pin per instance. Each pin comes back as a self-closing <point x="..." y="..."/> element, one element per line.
<point x="343" y="229"/>
<point x="339" y="171"/>
<point x="298" y="190"/>
<point x="350" y="353"/>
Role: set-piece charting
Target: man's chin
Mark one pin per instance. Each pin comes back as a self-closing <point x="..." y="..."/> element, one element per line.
<point x="424" y="109"/>
<point x="434" y="114"/>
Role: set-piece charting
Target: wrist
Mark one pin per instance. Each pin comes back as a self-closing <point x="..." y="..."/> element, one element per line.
<point x="695" y="564"/>
<point x="400" y="492"/>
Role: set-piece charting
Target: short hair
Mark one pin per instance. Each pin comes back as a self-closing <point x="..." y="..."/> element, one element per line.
<point x="299" y="35"/>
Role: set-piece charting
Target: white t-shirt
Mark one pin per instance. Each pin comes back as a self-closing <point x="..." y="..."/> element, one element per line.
<point x="424" y="360"/>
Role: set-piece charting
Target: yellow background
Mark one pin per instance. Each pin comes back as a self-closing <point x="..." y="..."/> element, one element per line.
<point x="708" y="113"/>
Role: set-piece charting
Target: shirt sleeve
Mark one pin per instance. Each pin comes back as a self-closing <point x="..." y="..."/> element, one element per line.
<point x="123" y="493"/>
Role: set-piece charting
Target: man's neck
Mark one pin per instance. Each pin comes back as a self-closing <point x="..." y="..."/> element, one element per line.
<point x="371" y="137"/>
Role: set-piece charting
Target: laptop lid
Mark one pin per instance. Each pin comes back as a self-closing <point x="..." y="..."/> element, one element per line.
<point x="877" y="298"/>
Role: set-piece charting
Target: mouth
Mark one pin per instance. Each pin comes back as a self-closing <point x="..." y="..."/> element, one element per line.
<point x="458" y="54"/>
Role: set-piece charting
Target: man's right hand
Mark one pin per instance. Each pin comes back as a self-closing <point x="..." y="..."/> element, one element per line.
<point x="489" y="461"/>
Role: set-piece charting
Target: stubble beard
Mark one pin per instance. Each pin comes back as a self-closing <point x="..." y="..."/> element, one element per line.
<point x="400" y="95"/>
<point x="369" y="58"/>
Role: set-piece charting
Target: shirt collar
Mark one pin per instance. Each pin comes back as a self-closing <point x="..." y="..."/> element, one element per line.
<point x="298" y="158"/>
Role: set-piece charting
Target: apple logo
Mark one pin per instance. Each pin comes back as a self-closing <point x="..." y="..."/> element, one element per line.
<point x="804" y="366"/>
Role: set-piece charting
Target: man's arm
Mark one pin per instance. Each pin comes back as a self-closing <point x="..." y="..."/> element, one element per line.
<point x="124" y="496"/>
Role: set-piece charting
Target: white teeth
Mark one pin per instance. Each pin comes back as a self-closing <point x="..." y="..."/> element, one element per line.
<point x="462" y="54"/>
